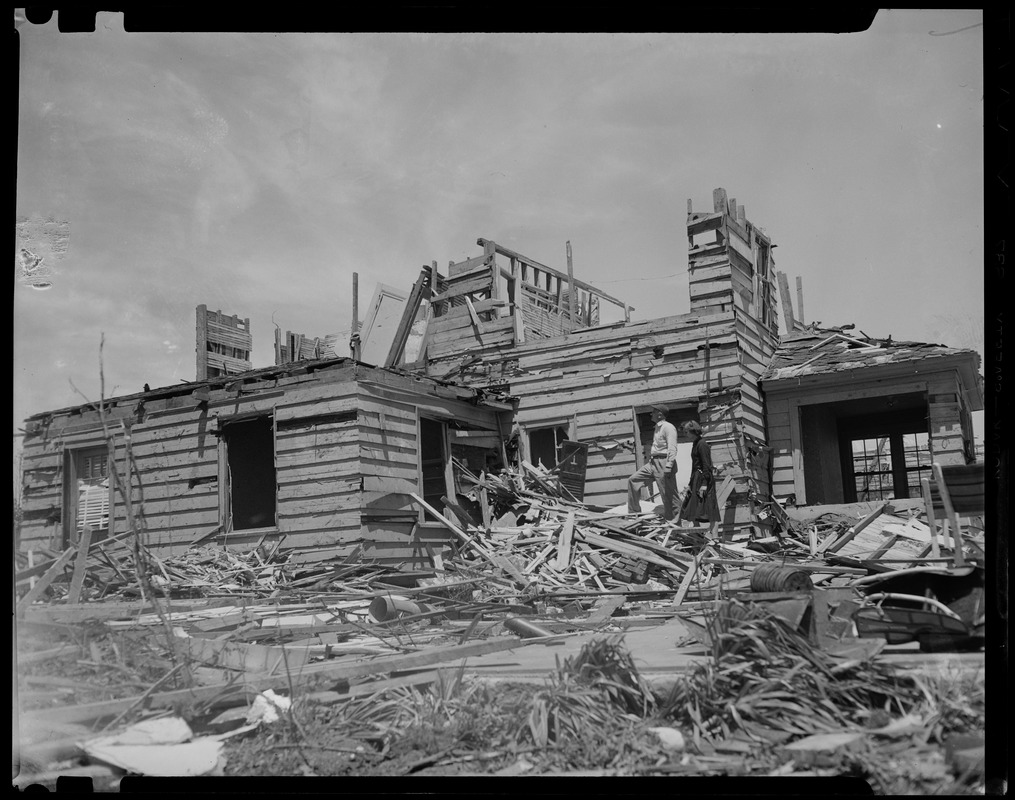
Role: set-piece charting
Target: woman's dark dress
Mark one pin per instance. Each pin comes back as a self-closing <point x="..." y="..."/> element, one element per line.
<point x="695" y="509"/>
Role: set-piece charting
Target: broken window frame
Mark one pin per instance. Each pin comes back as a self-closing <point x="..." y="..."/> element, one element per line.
<point x="226" y="518"/>
<point x="541" y="426"/>
<point x="73" y="458"/>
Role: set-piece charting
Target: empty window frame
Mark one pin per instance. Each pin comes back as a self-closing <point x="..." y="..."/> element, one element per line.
<point x="86" y="492"/>
<point x="249" y="486"/>
<point x="545" y="444"/>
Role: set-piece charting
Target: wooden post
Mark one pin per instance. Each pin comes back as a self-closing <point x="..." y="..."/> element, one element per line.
<point x="719" y="204"/>
<point x="787" y="302"/>
<point x="74" y="594"/>
<point x="354" y="342"/>
<point x="570" y="290"/>
<point x="202" y="342"/>
<point x="355" y="302"/>
<point x="953" y="518"/>
<point x="800" y="299"/>
<point x="931" y="522"/>
<point x="490" y="254"/>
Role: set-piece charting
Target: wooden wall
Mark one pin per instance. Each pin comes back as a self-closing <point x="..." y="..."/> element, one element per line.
<point x="951" y="427"/>
<point x="596" y="380"/>
<point x="345" y="458"/>
<point x="390" y="408"/>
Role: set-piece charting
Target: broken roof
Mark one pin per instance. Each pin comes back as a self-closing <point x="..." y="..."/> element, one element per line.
<point x="816" y="351"/>
<point x="258" y="378"/>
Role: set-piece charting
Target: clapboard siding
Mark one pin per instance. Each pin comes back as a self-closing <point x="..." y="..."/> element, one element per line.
<point x="337" y="463"/>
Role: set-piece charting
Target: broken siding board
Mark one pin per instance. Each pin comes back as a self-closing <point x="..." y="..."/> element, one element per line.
<point x="329" y="439"/>
<point x="463" y="267"/>
<point x="478" y="416"/>
<point x="320" y="531"/>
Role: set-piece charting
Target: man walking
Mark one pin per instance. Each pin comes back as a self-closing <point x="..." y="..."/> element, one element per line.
<point x="661" y="467"/>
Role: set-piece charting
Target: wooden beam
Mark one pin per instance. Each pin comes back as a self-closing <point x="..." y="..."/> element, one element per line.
<point x="537" y="266"/>
<point x="51" y="575"/>
<point x="79" y="565"/>
<point x="564" y="544"/>
<point x="570" y="290"/>
<point x="419" y="291"/>
<point x="953" y="518"/>
<point x="202" y="342"/>
<point x="455" y="529"/>
<point x="931" y="522"/>
<point x="355" y="302"/>
<point x="477" y="324"/>
<point x="800" y="299"/>
<point x="787" y="303"/>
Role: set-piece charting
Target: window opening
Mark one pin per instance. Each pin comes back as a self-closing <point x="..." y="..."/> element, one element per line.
<point x="872" y="469"/>
<point x="890" y="466"/>
<point x="89" y="473"/>
<point x="250" y="453"/>
<point x="545" y="445"/>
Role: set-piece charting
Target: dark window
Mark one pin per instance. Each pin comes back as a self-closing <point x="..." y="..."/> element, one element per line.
<point x="544" y="445"/>
<point x="250" y="450"/>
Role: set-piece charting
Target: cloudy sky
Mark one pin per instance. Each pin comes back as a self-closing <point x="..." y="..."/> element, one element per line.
<point x="256" y="172"/>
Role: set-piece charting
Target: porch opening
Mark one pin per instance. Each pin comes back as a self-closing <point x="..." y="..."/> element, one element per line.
<point x="868" y="449"/>
<point x="250" y="453"/>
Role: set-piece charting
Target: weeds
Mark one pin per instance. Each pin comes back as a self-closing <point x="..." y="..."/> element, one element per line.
<point x="767" y="680"/>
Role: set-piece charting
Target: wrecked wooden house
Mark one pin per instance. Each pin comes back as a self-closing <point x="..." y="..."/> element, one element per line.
<point x="326" y="453"/>
<point x="507" y="358"/>
<point x="505" y="322"/>
<point x="850" y="418"/>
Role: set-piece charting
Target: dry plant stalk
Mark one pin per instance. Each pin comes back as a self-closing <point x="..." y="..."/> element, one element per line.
<point x="135" y="517"/>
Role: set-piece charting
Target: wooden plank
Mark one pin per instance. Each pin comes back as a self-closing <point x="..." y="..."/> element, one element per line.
<point x="835" y="546"/>
<point x="787" y="303"/>
<point x="422" y="658"/>
<point x="685" y="582"/>
<point x="550" y="271"/>
<point x="454" y="528"/>
<point x="563" y="560"/>
<point x="74" y="594"/>
<point x="52" y="574"/>
<point x="408" y="316"/>
<point x="628" y="549"/>
<point x="604" y="610"/>
<point x="476" y="322"/>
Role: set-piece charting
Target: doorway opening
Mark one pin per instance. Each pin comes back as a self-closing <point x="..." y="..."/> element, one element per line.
<point x="252" y="487"/>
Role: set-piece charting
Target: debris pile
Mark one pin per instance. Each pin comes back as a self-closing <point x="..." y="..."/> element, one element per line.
<point x="778" y="617"/>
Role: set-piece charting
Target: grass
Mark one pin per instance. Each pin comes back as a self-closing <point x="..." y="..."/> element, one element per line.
<point x="765" y="684"/>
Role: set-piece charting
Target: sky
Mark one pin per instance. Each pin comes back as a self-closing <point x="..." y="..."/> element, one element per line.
<point x="255" y="173"/>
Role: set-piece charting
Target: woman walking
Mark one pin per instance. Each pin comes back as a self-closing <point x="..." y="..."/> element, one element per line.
<point x="700" y="504"/>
